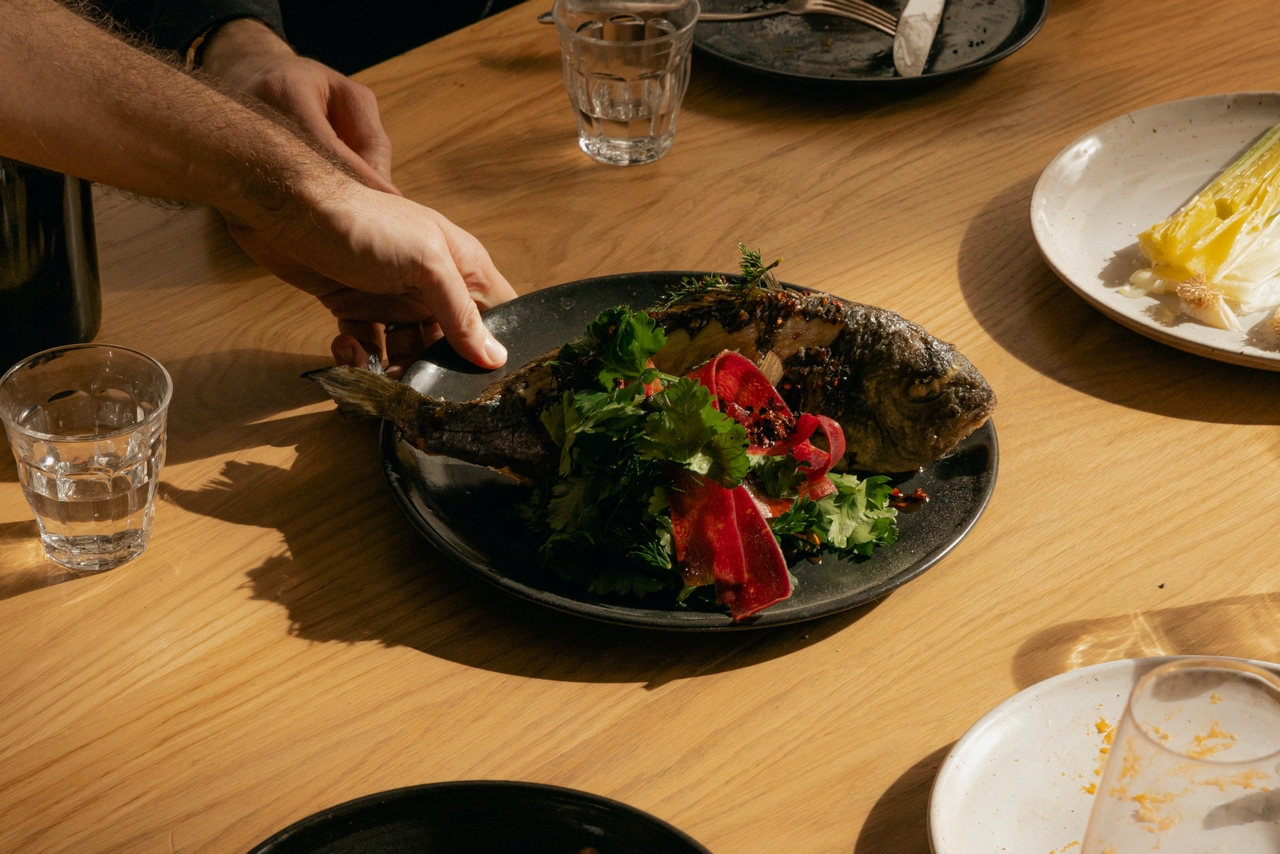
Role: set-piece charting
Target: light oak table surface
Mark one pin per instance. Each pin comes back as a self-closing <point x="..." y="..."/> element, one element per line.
<point x="289" y="642"/>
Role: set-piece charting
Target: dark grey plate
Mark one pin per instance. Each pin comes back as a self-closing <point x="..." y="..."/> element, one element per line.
<point x="971" y="35"/>
<point x="480" y="817"/>
<point x="460" y="507"/>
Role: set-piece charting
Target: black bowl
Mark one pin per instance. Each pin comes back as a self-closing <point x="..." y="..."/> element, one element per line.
<point x="480" y="817"/>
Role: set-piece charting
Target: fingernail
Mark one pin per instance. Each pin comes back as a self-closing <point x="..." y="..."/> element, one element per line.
<point x="494" y="351"/>
<point x="344" y="355"/>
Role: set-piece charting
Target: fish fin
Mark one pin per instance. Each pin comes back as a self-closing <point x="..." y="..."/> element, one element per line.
<point x="358" y="392"/>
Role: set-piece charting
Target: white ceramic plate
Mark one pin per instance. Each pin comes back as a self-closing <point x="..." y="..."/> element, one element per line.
<point x="1111" y="184"/>
<point x="1021" y="779"/>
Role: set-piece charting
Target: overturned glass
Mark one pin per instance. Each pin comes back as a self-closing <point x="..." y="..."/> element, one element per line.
<point x="1195" y="764"/>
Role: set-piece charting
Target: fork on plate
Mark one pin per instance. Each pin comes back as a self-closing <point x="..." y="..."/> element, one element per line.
<point x="854" y="10"/>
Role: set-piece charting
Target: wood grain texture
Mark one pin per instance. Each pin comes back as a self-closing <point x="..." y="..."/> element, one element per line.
<point x="288" y="642"/>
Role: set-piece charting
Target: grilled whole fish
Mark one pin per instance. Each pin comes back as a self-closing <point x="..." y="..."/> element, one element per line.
<point x="902" y="397"/>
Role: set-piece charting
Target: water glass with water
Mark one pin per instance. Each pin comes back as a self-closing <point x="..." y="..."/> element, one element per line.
<point x="626" y="68"/>
<point x="86" y="424"/>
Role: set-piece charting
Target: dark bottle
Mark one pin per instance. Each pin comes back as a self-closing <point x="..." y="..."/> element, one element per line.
<point x="49" y="293"/>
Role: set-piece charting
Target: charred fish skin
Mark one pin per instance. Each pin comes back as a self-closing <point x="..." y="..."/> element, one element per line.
<point x="903" y="397"/>
<point x="500" y="429"/>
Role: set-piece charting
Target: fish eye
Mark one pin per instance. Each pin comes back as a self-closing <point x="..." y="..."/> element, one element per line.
<point x="923" y="391"/>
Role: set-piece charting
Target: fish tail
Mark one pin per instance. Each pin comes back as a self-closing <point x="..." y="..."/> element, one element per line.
<point x="361" y="393"/>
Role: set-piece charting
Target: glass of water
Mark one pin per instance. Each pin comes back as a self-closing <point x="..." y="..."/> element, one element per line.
<point x="1195" y="763"/>
<point x="87" y="427"/>
<point x="626" y="68"/>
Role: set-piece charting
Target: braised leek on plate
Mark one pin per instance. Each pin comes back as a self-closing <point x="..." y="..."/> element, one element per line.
<point x="1220" y="253"/>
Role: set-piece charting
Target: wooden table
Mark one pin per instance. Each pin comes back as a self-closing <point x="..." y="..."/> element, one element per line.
<point x="289" y="642"/>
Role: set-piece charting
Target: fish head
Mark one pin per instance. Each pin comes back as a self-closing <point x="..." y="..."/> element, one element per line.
<point x="919" y="398"/>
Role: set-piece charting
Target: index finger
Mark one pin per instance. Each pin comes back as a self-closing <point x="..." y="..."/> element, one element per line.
<point x="454" y="308"/>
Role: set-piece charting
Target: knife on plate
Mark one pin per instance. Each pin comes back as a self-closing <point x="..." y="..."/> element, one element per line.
<point x="916" y="28"/>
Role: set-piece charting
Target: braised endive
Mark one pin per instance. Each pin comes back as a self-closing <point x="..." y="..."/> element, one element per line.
<point x="1219" y="253"/>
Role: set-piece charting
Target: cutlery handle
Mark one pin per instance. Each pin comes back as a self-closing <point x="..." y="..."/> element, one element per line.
<point x="738" y="16"/>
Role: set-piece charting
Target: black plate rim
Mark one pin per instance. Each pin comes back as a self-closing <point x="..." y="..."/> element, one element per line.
<point x="403" y="490"/>
<point x="481" y="790"/>
<point x="900" y="83"/>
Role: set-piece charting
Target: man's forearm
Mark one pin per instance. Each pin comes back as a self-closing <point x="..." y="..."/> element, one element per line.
<point x="79" y="101"/>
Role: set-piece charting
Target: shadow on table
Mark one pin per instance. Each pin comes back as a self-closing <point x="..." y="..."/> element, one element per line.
<point x="897" y="821"/>
<point x="385" y="583"/>
<point x="1035" y="317"/>
<point x="28" y="570"/>
<point x="1242" y="626"/>
<point x="217" y="400"/>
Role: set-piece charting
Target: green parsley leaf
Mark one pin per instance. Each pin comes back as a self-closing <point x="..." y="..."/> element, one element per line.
<point x="859" y="514"/>
<point x="573" y="505"/>
<point x="616" y="346"/>
<point x="687" y="429"/>
<point x="778" y="476"/>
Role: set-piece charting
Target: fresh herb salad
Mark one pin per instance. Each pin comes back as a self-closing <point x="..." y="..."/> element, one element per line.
<point x="669" y="483"/>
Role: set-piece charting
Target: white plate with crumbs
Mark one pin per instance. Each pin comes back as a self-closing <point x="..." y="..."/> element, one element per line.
<point x="1101" y="191"/>
<point x="1022" y="778"/>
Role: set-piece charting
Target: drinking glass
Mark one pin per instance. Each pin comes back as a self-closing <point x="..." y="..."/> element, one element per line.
<point x="1195" y="763"/>
<point x="86" y="424"/>
<point x="626" y="68"/>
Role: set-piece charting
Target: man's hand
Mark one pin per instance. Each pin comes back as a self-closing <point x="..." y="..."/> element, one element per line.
<point x="247" y="55"/>
<point x="376" y="259"/>
<point x="456" y="280"/>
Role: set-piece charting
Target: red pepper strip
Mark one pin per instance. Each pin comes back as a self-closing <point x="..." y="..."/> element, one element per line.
<point x="770" y="507"/>
<point x="818" y="461"/>
<point x="719" y="535"/>
<point x="733" y="378"/>
<point x="765" y="580"/>
<point x="704" y="530"/>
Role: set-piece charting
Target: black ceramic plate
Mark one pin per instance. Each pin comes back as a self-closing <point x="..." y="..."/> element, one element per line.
<point x="457" y="506"/>
<point x="480" y="817"/>
<point x="971" y="35"/>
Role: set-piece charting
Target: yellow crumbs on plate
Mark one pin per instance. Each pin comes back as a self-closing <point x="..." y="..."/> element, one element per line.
<point x="1108" y="731"/>
<point x="1213" y="741"/>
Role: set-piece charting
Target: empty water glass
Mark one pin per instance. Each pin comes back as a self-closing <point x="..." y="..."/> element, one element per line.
<point x="626" y="68"/>
<point x="87" y="427"/>
<point x="1195" y="763"/>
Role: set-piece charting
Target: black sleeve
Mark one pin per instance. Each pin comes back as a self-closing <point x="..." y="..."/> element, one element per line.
<point x="175" y="24"/>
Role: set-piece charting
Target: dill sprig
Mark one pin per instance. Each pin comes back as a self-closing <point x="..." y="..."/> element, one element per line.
<point x="754" y="271"/>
